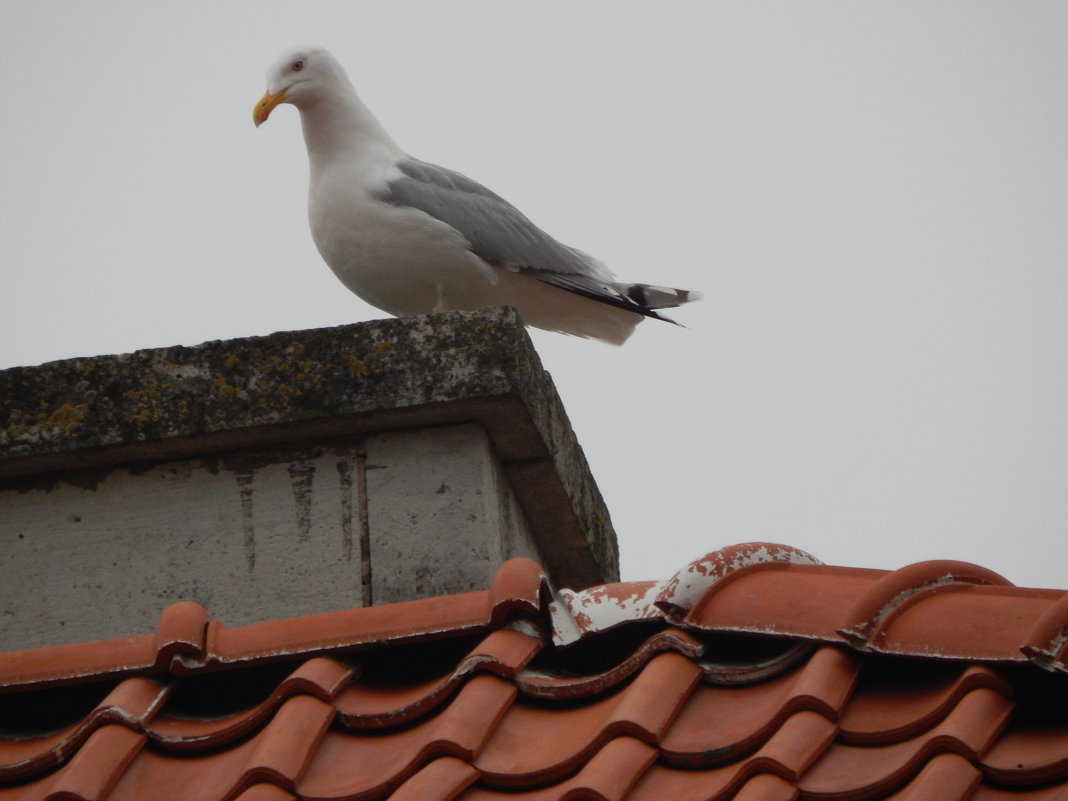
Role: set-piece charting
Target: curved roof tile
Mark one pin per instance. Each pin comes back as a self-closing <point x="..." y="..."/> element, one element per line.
<point x="755" y="673"/>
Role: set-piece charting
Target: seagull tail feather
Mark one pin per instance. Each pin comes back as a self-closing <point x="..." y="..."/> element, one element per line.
<point x="657" y="297"/>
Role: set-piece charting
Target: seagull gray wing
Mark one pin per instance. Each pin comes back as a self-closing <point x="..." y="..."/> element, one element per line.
<point x="498" y="232"/>
<point x="502" y="235"/>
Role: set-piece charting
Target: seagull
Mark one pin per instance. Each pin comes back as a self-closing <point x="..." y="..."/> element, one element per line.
<point x="410" y="237"/>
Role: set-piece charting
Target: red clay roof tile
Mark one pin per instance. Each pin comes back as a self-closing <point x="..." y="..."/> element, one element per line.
<point x="93" y="770"/>
<point x="265" y="792"/>
<point x="440" y="780"/>
<point x="968" y="730"/>
<point x="133" y="703"/>
<point x="946" y="777"/>
<point x="893" y="703"/>
<point x="1028" y="754"/>
<point x="547" y="685"/>
<point x="567" y="736"/>
<point x="987" y="793"/>
<point x="390" y="757"/>
<point x="753" y="673"/>
<point x="767" y="787"/>
<point x="318" y="678"/>
<point x="607" y="776"/>
<point x="277" y="754"/>
<point x="746" y="717"/>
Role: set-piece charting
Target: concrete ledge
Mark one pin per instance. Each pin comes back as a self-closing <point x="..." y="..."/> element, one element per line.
<point x="70" y="420"/>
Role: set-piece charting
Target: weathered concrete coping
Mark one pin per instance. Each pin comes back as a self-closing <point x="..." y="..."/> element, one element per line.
<point x="317" y="385"/>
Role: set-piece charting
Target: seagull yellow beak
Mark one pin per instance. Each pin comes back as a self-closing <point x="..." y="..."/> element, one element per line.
<point x="262" y="110"/>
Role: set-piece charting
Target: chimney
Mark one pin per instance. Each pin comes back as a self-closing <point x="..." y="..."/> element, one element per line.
<point x="276" y="476"/>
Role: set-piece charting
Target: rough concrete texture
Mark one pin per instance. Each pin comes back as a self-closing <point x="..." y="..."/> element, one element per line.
<point x="69" y="413"/>
<point x="258" y="535"/>
<point x="434" y="480"/>
<point x="282" y="414"/>
<point x="248" y="538"/>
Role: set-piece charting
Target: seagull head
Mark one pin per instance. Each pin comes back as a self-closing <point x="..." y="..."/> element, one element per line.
<point x="301" y="75"/>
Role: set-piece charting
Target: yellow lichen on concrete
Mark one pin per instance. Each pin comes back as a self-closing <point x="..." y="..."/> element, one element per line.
<point x="66" y="418"/>
<point x="147" y="407"/>
<point x="287" y="391"/>
<point x="223" y="386"/>
<point x="15" y="426"/>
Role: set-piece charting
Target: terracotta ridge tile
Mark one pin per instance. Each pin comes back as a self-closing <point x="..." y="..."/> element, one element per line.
<point x="439" y="780"/>
<point x="867" y="771"/>
<point x="578" y="614"/>
<point x="696" y="581"/>
<point x="1046" y="643"/>
<point x="391" y="757"/>
<point x="947" y="777"/>
<point x="795" y="601"/>
<point x="503" y="653"/>
<point x="887" y="595"/>
<point x="518" y="585"/>
<point x="542" y="684"/>
<point x="918" y="611"/>
<point x="319" y="677"/>
<point x="180" y="634"/>
<point x="597" y="609"/>
<point x="570" y="735"/>
<point x="188" y="640"/>
<point x="963" y="622"/>
<point x="77" y="662"/>
<point x="328" y="632"/>
<point x="132" y="703"/>
<point x="884" y="714"/>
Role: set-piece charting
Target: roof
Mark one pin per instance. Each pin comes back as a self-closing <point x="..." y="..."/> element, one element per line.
<point x="753" y="673"/>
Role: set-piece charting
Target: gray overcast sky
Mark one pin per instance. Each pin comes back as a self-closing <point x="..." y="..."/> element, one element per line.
<point x="873" y="196"/>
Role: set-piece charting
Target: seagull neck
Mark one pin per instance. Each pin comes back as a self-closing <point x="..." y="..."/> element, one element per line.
<point x="343" y="127"/>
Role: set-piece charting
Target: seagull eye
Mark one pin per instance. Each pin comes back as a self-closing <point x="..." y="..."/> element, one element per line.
<point x="297" y="65"/>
